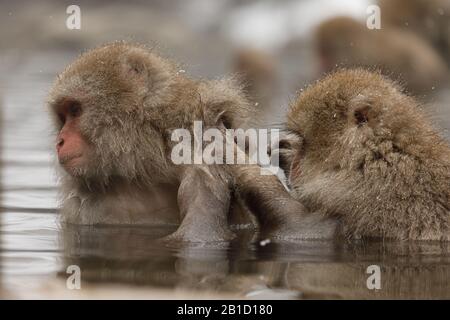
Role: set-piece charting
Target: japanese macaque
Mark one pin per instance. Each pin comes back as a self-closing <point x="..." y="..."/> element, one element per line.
<point x="258" y="72"/>
<point x="345" y="42"/>
<point x="115" y="109"/>
<point x="428" y="18"/>
<point x="367" y="155"/>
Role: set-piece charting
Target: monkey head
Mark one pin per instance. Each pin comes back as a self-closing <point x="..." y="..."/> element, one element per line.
<point x="350" y="120"/>
<point x="106" y="107"/>
<point x="369" y="155"/>
<point x="335" y="39"/>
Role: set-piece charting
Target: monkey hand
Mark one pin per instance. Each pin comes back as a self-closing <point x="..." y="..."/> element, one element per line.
<point x="302" y="226"/>
<point x="204" y="202"/>
<point x="280" y="216"/>
<point x="285" y="149"/>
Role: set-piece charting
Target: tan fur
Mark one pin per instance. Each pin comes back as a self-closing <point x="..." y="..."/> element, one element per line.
<point x="370" y="157"/>
<point x="132" y="100"/>
<point x="345" y="42"/>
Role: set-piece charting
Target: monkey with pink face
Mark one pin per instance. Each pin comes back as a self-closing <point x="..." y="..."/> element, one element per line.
<point x="114" y="109"/>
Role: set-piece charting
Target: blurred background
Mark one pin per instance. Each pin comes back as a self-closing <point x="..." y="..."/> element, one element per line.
<point x="276" y="48"/>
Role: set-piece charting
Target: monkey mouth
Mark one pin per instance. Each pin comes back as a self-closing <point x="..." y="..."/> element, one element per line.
<point x="71" y="160"/>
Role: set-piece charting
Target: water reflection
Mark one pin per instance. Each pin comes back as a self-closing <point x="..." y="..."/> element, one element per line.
<point x="308" y="269"/>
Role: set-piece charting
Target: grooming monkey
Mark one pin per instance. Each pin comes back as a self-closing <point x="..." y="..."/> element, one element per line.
<point x="366" y="154"/>
<point x="115" y="108"/>
<point x="346" y="42"/>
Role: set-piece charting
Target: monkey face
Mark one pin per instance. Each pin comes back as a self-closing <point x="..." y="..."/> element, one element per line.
<point x="345" y="120"/>
<point x="102" y="106"/>
<point x="72" y="148"/>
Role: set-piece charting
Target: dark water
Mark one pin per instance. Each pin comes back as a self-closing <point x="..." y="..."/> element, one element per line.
<point x="35" y="251"/>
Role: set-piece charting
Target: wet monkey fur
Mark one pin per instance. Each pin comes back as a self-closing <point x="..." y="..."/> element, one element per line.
<point x="366" y="154"/>
<point x="114" y="109"/>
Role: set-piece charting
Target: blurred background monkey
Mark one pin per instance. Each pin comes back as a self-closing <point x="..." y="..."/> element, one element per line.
<point x="428" y="18"/>
<point x="346" y="42"/>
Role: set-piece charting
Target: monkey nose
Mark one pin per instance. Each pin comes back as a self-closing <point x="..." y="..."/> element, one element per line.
<point x="59" y="144"/>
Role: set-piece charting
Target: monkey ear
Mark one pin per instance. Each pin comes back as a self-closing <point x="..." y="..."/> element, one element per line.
<point x="361" y="110"/>
<point x="136" y="71"/>
<point x="361" y="115"/>
<point x="135" y="67"/>
<point x="225" y="120"/>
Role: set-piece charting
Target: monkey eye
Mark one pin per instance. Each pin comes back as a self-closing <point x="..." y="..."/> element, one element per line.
<point x="74" y="109"/>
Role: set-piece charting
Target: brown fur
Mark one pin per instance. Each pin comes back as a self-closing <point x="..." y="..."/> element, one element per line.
<point x="370" y="157"/>
<point x="346" y="42"/>
<point x="132" y="99"/>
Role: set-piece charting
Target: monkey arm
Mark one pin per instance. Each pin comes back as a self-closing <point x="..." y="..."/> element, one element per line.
<point x="279" y="215"/>
<point x="204" y="202"/>
<point x="288" y="146"/>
